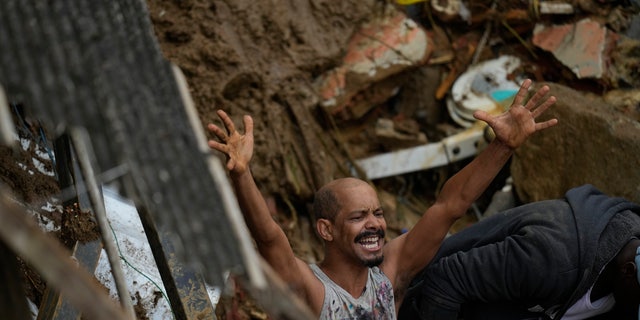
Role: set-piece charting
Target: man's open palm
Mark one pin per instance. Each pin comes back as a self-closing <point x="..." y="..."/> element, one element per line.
<point x="237" y="147"/>
<point x="515" y="125"/>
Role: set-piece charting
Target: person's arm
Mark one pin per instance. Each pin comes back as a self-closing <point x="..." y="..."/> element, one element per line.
<point x="270" y="239"/>
<point x="412" y="251"/>
<point x="526" y="255"/>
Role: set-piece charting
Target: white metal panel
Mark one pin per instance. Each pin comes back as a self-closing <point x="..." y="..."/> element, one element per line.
<point x="453" y="148"/>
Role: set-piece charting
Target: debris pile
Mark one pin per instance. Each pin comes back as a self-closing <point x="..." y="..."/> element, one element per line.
<point x="386" y="91"/>
<point x="360" y="97"/>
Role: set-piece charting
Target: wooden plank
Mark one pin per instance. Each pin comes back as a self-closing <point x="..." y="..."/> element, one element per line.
<point x="53" y="305"/>
<point x="49" y="258"/>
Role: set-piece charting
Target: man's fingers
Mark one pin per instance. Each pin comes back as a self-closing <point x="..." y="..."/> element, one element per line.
<point x="227" y="121"/>
<point x="217" y="146"/>
<point x="536" y="97"/>
<point x="546" y="124"/>
<point x="217" y="131"/>
<point x="543" y="107"/>
<point x="231" y="164"/>
<point x="522" y="93"/>
<point x="248" y="125"/>
<point x="482" y="115"/>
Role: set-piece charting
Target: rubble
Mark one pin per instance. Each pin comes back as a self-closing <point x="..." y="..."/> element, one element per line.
<point x="583" y="47"/>
<point x="397" y="92"/>
<point x="387" y="45"/>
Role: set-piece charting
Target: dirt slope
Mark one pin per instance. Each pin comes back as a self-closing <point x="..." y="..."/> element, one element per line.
<point x="260" y="58"/>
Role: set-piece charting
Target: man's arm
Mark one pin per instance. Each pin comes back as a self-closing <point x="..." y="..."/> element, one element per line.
<point x="411" y="252"/>
<point x="522" y="255"/>
<point x="270" y="239"/>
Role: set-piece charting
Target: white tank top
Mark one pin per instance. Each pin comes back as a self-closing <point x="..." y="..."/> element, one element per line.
<point x="376" y="302"/>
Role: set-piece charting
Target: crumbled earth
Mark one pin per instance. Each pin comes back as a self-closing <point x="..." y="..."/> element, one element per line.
<point x="77" y="225"/>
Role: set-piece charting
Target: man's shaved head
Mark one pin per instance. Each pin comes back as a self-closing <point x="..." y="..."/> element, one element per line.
<point x="325" y="202"/>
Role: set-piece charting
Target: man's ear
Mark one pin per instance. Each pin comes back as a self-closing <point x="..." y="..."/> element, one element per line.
<point x="325" y="229"/>
<point x="628" y="269"/>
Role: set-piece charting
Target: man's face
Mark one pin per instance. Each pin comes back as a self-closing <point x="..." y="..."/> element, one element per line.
<point x="360" y="225"/>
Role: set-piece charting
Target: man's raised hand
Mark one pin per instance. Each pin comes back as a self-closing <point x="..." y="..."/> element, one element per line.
<point x="515" y="125"/>
<point x="236" y="146"/>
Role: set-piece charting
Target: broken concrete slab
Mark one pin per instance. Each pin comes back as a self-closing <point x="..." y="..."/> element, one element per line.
<point x="593" y="143"/>
<point x="584" y="47"/>
<point x="385" y="46"/>
<point x="591" y="50"/>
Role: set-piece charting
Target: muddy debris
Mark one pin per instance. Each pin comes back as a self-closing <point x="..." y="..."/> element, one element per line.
<point x="332" y="82"/>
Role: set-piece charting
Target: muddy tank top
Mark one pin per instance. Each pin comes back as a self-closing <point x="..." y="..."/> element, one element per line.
<point x="376" y="302"/>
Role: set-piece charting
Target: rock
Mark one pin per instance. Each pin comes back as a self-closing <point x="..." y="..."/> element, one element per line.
<point x="593" y="143"/>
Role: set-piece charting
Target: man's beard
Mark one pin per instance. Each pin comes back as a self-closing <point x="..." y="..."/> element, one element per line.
<point x="377" y="260"/>
<point x="374" y="262"/>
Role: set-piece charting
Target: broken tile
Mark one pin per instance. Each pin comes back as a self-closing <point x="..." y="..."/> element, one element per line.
<point x="583" y="47"/>
<point x="387" y="45"/>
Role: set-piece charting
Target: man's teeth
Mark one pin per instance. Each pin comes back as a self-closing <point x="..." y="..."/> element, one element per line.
<point x="370" y="242"/>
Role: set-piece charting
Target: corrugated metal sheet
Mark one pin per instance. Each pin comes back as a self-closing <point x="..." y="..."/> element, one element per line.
<point x="97" y="65"/>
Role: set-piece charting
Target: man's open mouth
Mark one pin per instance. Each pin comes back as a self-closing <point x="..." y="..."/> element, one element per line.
<point x="370" y="240"/>
<point x="370" y="243"/>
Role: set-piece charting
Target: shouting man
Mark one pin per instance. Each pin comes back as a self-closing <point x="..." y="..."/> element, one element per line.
<point x="362" y="276"/>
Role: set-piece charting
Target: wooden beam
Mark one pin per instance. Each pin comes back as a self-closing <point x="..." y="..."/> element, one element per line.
<point x="53" y="306"/>
<point x="49" y="258"/>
